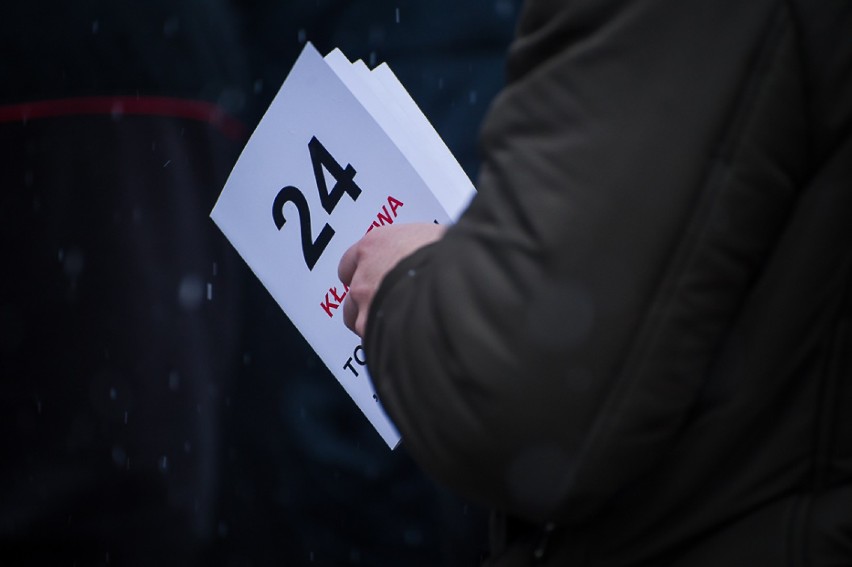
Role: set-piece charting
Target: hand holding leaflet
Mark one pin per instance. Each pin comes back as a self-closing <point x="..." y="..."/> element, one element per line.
<point x="335" y="155"/>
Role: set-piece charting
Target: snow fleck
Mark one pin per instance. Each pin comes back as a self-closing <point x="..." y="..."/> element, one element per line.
<point x="119" y="457"/>
<point x="72" y="263"/>
<point x="190" y="292"/>
<point x="171" y="27"/>
<point x="174" y="380"/>
<point x="504" y="8"/>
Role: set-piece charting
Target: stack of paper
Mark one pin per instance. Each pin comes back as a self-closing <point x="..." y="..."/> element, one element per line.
<point x="342" y="149"/>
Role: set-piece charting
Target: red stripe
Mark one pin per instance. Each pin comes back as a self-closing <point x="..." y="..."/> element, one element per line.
<point x="123" y="106"/>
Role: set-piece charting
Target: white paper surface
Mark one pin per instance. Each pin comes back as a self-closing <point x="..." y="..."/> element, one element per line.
<point x="348" y="122"/>
<point x="403" y="128"/>
<point x="457" y="194"/>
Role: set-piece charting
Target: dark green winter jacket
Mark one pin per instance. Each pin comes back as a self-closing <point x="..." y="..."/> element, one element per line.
<point x="636" y="343"/>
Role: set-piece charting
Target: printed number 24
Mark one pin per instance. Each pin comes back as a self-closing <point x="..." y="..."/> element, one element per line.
<point x="343" y="183"/>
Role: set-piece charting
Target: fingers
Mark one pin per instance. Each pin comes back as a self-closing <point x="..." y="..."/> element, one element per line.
<point x="348" y="264"/>
<point x="346" y="272"/>
<point x="350" y="313"/>
<point x="364" y="265"/>
<point x="355" y="314"/>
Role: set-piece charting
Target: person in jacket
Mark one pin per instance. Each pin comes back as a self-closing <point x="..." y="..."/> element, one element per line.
<point x="635" y="344"/>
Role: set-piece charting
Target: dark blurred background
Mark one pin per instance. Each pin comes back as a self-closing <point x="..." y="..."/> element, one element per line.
<point x="156" y="406"/>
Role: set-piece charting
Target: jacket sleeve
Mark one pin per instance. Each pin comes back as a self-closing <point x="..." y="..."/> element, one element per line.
<point x="548" y="348"/>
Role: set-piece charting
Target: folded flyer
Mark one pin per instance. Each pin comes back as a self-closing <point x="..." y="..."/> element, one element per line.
<point x="341" y="150"/>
